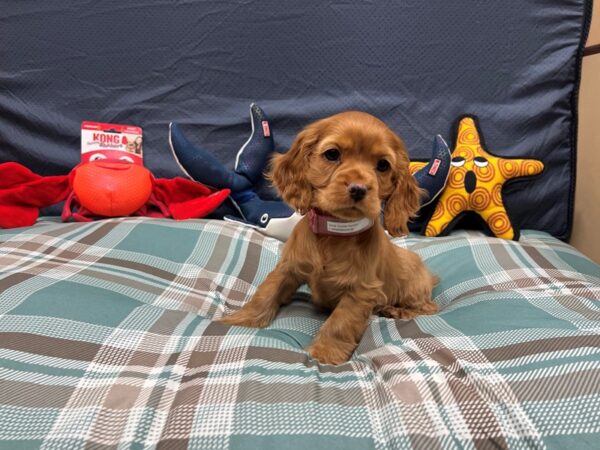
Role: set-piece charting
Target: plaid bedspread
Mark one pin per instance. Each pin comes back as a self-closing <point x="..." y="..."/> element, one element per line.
<point x="108" y="339"/>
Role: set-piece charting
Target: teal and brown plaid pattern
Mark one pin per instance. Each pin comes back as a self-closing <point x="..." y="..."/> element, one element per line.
<point x="107" y="340"/>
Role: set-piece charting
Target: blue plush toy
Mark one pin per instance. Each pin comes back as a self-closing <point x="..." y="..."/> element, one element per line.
<point x="433" y="174"/>
<point x="273" y="218"/>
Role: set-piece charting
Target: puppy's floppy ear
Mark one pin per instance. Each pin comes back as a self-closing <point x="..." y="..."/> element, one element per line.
<point x="288" y="171"/>
<point x="405" y="200"/>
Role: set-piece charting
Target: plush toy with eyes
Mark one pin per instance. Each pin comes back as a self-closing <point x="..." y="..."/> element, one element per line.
<point x="475" y="184"/>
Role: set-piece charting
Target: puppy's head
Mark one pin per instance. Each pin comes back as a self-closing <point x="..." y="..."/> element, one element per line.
<point x="131" y="146"/>
<point x="346" y="165"/>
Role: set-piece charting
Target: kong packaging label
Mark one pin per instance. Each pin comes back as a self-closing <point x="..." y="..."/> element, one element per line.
<point x="111" y="141"/>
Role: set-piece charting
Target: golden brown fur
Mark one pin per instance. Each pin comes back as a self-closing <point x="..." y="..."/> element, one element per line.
<point x="353" y="276"/>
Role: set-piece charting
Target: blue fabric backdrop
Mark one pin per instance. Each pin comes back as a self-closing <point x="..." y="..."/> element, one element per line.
<point x="416" y="64"/>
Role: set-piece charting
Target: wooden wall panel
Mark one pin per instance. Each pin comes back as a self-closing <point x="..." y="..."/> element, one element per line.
<point x="594" y="37"/>
<point x="586" y="225"/>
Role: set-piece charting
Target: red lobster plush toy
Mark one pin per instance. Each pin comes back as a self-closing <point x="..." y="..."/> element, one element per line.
<point x="101" y="188"/>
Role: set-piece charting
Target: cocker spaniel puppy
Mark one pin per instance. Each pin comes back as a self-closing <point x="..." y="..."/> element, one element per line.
<point x="338" y="172"/>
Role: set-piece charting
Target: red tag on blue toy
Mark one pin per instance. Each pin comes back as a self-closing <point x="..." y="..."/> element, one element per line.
<point x="111" y="141"/>
<point x="266" y="129"/>
<point x="434" y="167"/>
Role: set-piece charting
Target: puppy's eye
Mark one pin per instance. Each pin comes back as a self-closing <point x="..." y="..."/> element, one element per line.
<point x="333" y="154"/>
<point x="458" y="161"/>
<point x="383" y="165"/>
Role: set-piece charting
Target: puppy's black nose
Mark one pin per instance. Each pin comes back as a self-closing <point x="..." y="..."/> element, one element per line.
<point x="357" y="191"/>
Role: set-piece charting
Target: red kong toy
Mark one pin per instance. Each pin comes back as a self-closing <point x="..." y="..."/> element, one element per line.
<point x="112" y="188"/>
<point x="101" y="188"/>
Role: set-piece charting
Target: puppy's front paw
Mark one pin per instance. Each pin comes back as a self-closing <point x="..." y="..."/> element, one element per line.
<point x="242" y="318"/>
<point x="329" y="354"/>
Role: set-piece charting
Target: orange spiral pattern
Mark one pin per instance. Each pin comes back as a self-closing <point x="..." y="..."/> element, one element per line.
<point x="497" y="194"/>
<point x="465" y="152"/>
<point x="438" y="212"/>
<point x="456" y="179"/>
<point x="486" y="173"/>
<point x="433" y="230"/>
<point x="456" y="204"/>
<point x="468" y="133"/>
<point x="415" y="166"/>
<point x="530" y="167"/>
<point x="499" y="223"/>
<point x="509" y="168"/>
<point x="480" y="199"/>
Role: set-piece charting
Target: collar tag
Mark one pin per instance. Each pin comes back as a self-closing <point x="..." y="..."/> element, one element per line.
<point x="327" y="225"/>
<point x="348" y="227"/>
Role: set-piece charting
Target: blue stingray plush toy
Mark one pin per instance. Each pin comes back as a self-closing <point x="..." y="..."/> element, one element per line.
<point x="272" y="217"/>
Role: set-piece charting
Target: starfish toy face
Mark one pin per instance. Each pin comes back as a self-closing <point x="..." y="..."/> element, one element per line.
<point x="475" y="184"/>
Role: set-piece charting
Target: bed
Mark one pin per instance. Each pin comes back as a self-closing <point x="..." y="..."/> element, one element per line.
<point x="108" y="338"/>
<point x="108" y="330"/>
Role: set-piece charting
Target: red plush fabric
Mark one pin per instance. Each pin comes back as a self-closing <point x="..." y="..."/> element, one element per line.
<point x="23" y="192"/>
<point x="186" y="199"/>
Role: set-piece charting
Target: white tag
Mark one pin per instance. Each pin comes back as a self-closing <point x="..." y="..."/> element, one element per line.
<point x="348" y="227"/>
<point x="109" y="140"/>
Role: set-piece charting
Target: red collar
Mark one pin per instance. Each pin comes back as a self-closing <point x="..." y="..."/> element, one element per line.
<point x="332" y="226"/>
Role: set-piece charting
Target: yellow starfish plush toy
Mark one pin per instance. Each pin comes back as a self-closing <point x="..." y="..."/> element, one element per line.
<point x="475" y="184"/>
